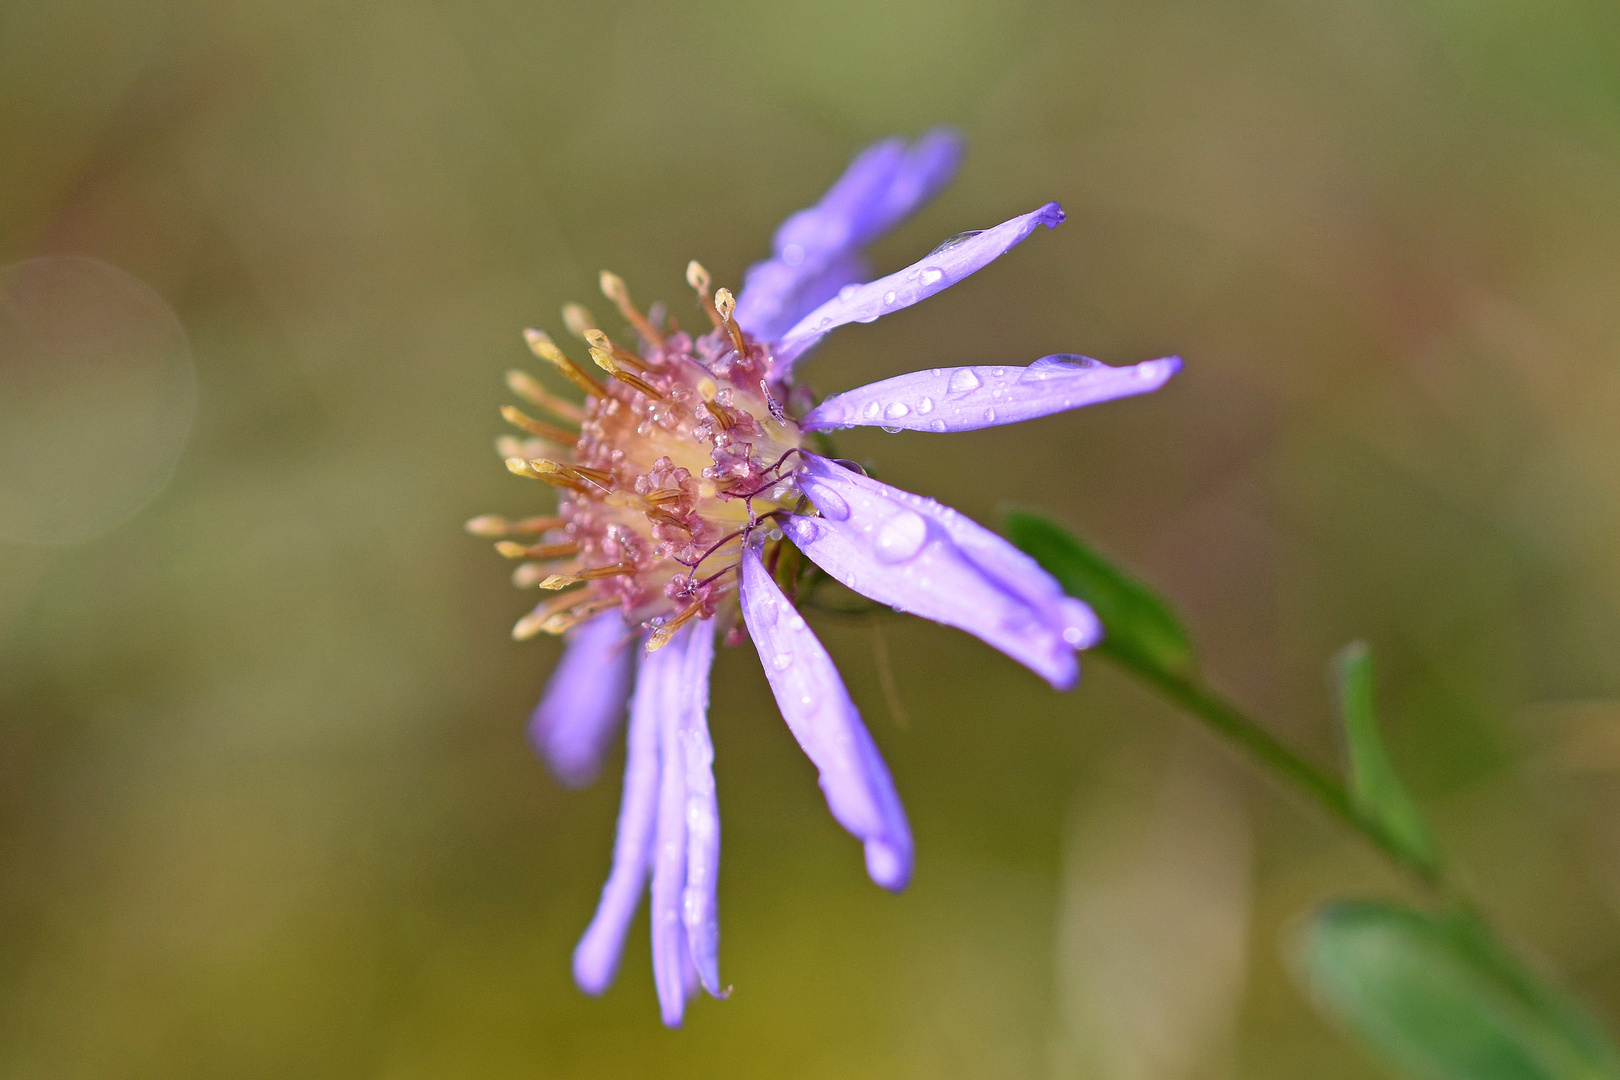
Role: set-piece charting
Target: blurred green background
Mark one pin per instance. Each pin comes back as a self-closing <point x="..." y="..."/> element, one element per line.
<point x="266" y="809"/>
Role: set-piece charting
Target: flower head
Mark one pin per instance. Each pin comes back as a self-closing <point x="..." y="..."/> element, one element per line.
<point x="687" y="494"/>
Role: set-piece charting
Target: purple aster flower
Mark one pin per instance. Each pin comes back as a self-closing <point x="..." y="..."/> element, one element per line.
<point x="688" y="480"/>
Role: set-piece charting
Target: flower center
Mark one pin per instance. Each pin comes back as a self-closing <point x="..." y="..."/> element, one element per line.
<point x="680" y="454"/>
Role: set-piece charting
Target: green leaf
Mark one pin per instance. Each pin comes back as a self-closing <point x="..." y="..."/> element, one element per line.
<point x="1376" y="791"/>
<point x="1140" y="630"/>
<point x="1437" y="995"/>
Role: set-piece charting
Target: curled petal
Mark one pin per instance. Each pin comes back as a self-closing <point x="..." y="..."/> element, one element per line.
<point x="965" y="398"/>
<point x="596" y="957"/>
<point x="918" y="556"/>
<point x="941" y="268"/>
<point x="584" y="699"/>
<point x="700" y="907"/>
<point x="816" y="251"/>
<point x="827" y="725"/>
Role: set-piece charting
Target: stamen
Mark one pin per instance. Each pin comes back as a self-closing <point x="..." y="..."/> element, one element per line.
<point x="551" y="612"/>
<point x="611" y="366"/>
<point x="721" y="414"/>
<point x="562" y="581"/>
<point x="513" y="550"/>
<point x="566" y="620"/>
<point x="613" y="288"/>
<point x="524" y="386"/>
<point x="539" y="429"/>
<point x="541" y="345"/>
<point x="578" y="319"/>
<point x="493" y="526"/>
<point x="725" y="304"/>
<point x="699" y="279"/>
<point x="624" y="356"/>
<point x="526" y="467"/>
<point x="660" y="637"/>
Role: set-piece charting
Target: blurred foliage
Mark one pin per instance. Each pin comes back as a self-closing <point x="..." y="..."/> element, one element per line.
<point x="265" y="805"/>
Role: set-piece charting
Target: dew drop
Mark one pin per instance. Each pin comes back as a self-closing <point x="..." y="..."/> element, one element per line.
<point x="782" y="661"/>
<point x="872" y="410"/>
<point x="901" y="537"/>
<point x="892" y="430"/>
<point x="934" y="372"/>
<point x="830" y="503"/>
<point x="932" y="275"/>
<point x="962" y="381"/>
<point x="990" y="416"/>
<point x="936" y="425"/>
<point x="848" y="291"/>
<point x="957" y="240"/>
<point x="925" y="406"/>
<point x="896" y="410"/>
<point x="796" y="623"/>
<point x="998" y="372"/>
<point x="889" y="298"/>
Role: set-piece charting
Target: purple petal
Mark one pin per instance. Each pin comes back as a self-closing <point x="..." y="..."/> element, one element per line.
<point x="827" y="725"/>
<point x="700" y="906"/>
<point x="918" y="556"/>
<point x="596" y="957"/>
<point x="670" y="956"/>
<point x="816" y="251"/>
<point x="584" y="699"/>
<point x="965" y="398"/>
<point x="939" y="269"/>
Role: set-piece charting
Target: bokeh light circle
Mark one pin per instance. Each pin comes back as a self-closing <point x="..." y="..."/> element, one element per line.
<point x="97" y="395"/>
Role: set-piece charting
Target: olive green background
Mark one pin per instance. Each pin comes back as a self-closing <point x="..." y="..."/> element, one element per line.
<point x="266" y="809"/>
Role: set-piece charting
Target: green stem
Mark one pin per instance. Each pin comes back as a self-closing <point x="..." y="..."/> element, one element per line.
<point x="1229" y="722"/>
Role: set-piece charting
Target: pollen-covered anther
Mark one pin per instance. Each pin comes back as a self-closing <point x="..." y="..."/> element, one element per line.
<point x="725" y="304"/>
<point x="614" y="289"/>
<point x="699" y="279"/>
<point x="541" y="345"/>
<point x="567" y="620"/>
<point x="660" y="637"/>
<point x="606" y="362"/>
<point x="538" y="428"/>
<point x="524" y="386"/>
<point x="595" y="573"/>
<point x="514" y="550"/>
<point x="621" y="355"/>
<point x="493" y="526"/>
<point x="578" y="319"/>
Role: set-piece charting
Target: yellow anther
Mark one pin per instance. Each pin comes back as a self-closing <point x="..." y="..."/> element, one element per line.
<point x="611" y="366"/>
<point x="707" y="388"/>
<point x="524" y="386"/>
<point x="513" y="550"/>
<point x="578" y="319"/>
<point x="488" y="525"/>
<point x="566" y="620"/>
<point x="539" y="429"/>
<point x="535" y="621"/>
<point x="725" y="304"/>
<point x="541" y="345"/>
<point x="596" y="573"/>
<point x="699" y="279"/>
<point x="624" y="357"/>
<point x="660" y="637"/>
<point x="614" y="289"/>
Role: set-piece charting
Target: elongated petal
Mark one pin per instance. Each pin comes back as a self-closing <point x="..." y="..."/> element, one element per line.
<point x="918" y="556"/>
<point x="827" y="725"/>
<point x="584" y="699"/>
<point x="596" y="957"/>
<point x="700" y="906"/>
<point x="670" y="955"/>
<point x="965" y="398"/>
<point x="939" y="269"/>
<point x="816" y="251"/>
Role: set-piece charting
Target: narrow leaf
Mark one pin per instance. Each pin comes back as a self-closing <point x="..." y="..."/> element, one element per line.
<point x="1376" y="790"/>
<point x="1140" y="630"/>
<point x="1438" y="996"/>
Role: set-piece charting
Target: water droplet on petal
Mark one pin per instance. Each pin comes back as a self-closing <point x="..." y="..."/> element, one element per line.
<point x="847" y="291"/>
<point x="796" y="623"/>
<point x="892" y="430"/>
<point x="962" y="381"/>
<point x="896" y="410"/>
<point x="889" y="298"/>
<point x="990" y="416"/>
<point x="936" y="425"/>
<point x="872" y="410"/>
<point x="933" y="371"/>
<point x="998" y="372"/>
<point x="793" y="254"/>
<point x="931" y="275"/>
<point x="957" y="240"/>
<point x="826" y="321"/>
<point x="830" y="503"/>
<point x="782" y="661"/>
<point x="925" y="406"/>
<point x="901" y="536"/>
